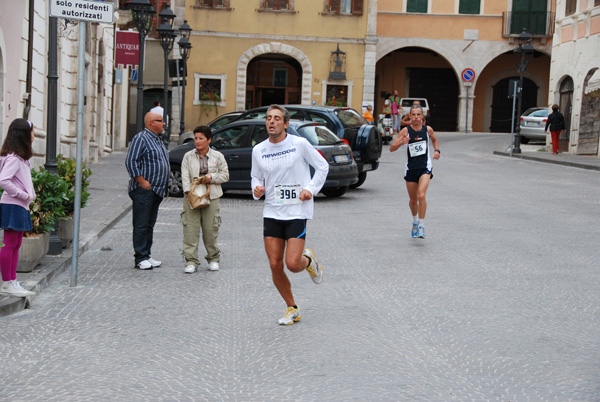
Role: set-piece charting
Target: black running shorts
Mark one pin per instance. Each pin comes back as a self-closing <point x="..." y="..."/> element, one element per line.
<point x="413" y="176"/>
<point x="295" y="228"/>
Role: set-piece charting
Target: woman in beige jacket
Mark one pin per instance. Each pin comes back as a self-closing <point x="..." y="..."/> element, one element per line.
<point x="202" y="161"/>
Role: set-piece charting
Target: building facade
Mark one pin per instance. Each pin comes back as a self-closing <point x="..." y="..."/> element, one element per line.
<point x="24" y="49"/>
<point x="575" y="68"/>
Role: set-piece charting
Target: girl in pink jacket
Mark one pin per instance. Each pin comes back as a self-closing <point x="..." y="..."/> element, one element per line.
<point x="15" y="179"/>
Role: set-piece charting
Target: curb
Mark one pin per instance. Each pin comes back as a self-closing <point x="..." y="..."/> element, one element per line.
<point x="545" y="160"/>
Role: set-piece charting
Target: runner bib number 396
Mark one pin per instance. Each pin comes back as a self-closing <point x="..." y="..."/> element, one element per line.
<point x="417" y="148"/>
<point x="287" y="194"/>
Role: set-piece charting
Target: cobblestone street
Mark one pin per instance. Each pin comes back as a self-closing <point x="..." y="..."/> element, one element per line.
<point x="500" y="302"/>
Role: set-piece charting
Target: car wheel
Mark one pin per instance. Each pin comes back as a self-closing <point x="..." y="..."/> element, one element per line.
<point x="334" y="192"/>
<point x="524" y="140"/>
<point x="362" y="176"/>
<point x="175" y="182"/>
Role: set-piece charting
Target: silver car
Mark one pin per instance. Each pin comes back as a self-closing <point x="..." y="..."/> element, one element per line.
<point x="533" y="124"/>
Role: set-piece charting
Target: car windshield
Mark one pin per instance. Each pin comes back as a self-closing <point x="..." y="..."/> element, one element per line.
<point x="221" y="121"/>
<point x="318" y="135"/>
<point x="350" y="118"/>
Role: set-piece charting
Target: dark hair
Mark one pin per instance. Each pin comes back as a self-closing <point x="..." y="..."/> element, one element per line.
<point x="156" y="103"/>
<point x="286" y="113"/>
<point x="555" y="107"/>
<point x="18" y="139"/>
<point x="204" y="130"/>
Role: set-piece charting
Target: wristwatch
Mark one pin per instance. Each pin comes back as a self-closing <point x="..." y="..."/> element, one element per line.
<point x="438" y="151"/>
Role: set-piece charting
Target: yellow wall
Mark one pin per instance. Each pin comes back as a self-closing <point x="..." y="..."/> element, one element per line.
<point x="220" y="54"/>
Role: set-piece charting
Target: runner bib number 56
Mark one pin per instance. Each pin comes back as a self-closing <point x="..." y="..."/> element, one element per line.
<point x="417" y="148"/>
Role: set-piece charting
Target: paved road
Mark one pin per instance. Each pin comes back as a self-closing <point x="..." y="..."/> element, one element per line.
<point x="500" y="302"/>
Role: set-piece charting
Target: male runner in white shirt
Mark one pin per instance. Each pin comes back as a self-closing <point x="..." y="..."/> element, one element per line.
<point x="281" y="172"/>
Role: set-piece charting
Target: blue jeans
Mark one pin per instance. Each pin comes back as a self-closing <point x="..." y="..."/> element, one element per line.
<point x="144" y="212"/>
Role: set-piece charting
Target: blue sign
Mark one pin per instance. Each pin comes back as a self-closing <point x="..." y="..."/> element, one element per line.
<point x="468" y="75"/>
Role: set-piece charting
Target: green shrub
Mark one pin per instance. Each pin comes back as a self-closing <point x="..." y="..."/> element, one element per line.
<point x="66" y="168"/>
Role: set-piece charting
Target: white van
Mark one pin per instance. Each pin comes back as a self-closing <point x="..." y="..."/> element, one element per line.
<point x="406" y="104"/>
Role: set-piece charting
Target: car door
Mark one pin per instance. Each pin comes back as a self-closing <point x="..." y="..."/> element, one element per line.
<point x="232" y="142"/>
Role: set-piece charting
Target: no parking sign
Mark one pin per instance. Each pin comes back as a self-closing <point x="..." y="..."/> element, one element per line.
<point x="468" y="75"/>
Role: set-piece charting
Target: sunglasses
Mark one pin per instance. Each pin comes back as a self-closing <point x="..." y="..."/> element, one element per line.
<point x="158" y="120"/>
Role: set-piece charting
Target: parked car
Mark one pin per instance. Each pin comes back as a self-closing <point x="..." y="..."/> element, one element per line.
<point x="533" y="124"/>
<point x="346" y="123"/>
<point x="236" y="140"/>
<point x="216" y="123"/>
<point x="407" y="103"/>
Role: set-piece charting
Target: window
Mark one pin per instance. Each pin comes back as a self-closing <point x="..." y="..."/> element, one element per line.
<point x="596" y="2"/>
<point x="209" y="89"/>
<point x="337" y="95"/>
<point x="570" y="7"/>
<point x="231" y="138"/>
<point x="259" y="135"/>
<point x="469" y="6"/>
<point x="277" y="5"/>
<point x="416" y="6"/>
<point x="212" y="3"/>
<point x="354" y="7"/>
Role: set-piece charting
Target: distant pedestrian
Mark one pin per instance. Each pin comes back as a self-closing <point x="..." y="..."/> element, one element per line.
<point x="280" y="171"/>
<point x="556" y="122"/>
<point x="396" y="112"/>
<point x="368" y="114"/>
<point x="15" y="219"/>
<point x="206" y="162"/>
<point x="164" y="136"/>
<point x="418" y="170"/>
<point x="148" y="166"/>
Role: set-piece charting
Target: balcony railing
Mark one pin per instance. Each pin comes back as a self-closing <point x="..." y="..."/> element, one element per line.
<point x="538" y="23"/>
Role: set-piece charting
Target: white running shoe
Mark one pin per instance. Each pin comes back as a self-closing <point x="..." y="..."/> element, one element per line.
<point x="189" y="269"/>
<point x="14" y="288"/>
<point x="154" y="263"/>
<point x="213" y="266"/>
<point x="291" y="316"/>
<point x="144" y="265"/>
<point x="315" y="270"/>
<point x="421" y="234"/>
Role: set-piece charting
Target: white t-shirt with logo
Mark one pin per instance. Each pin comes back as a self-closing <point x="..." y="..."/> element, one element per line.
<point x="284" y="169"/>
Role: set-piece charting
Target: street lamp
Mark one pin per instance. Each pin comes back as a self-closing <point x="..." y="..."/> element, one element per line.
<point x="141" y="12"/>
<point x="523" y="55"/>
<point x="185" y="47"/>
<point x="167" y="36"/>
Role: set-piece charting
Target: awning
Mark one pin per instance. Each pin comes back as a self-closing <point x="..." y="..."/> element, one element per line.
<point x="593" y="87"/>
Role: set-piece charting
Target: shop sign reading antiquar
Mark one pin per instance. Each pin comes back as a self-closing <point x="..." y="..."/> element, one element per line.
<point x="83" y="10"/>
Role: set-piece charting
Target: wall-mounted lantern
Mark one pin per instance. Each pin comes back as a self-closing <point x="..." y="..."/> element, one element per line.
<point x="337" y="65"/>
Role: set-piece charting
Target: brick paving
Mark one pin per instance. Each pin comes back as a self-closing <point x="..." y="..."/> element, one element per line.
<point x="500" y="302"/>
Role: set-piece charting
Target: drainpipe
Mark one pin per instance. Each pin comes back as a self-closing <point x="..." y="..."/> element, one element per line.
<point x="27" y="95"/>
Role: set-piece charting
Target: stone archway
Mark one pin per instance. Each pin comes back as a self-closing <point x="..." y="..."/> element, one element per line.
<point x="276" y="48"/>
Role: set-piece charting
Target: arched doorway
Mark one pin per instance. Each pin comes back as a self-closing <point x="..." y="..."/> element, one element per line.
<point x="589" y="129"/>
<point x="566" y="107"/>
<point x="418" y="72"/>
<point x="273" y="78"/>
<point x="502" y="103"/>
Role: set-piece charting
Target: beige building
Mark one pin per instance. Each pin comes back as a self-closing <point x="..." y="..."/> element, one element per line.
<point x="24" y="48"/>
<point x="249" y="53"/>
<point x="575" y="74"/>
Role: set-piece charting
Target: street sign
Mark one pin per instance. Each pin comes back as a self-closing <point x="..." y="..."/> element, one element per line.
<point x="468" y="75"/>
<point x="83" y="10"/>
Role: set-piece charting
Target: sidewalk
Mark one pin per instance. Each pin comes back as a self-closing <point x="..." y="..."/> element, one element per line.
<point x="530" y="152"/>
<point x="109" y="202"/>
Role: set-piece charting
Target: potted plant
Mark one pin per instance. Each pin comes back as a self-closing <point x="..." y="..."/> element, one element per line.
<point x="209" y="102"/>
<point x="45" y="209"/>
<point x="66" y="169"/>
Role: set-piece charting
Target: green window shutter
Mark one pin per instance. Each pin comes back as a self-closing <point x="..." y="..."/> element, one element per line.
<point x="416" y="6"/>
<point x="469" y="7"/>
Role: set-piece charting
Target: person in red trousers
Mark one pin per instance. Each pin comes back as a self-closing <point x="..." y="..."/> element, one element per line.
<point x="556" y="122"/>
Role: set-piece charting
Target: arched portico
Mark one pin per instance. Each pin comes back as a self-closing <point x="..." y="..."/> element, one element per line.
<point x="271" y="48"/>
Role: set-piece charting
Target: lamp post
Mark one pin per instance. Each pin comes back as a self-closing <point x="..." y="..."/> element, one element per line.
<point x="185" y="47"/>
<point x="141" y="12"/>
<point x="523" y="55"/>
<point x="167" y="36"/>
